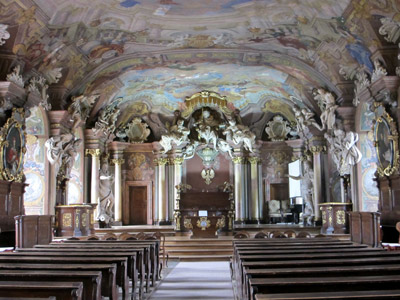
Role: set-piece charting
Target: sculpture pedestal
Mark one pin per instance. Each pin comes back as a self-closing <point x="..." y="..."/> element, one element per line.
<point x="334" y="217"/>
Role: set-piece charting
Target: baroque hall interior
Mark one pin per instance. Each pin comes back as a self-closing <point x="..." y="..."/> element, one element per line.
<point x="241" y="113"/>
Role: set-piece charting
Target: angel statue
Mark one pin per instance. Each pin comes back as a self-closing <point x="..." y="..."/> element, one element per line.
<point x="177" y="133"/>
<point x="328" y="106"/>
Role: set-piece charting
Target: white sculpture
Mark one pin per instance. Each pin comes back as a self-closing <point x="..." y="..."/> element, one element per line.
<point x="307" y="190"/>
<point x="379" y="71"/>
<point x="177" y="134"/>
<point x="53" y="75"/>
<point x="106" y="201"/>
<point x="80" y="109"/>
<point x="107" y="120"/>
<point x="206" y="128"/>
<point x="390" y="28"/>
<point x="16" y="77"/>
<point x="61" y="152"/>
<point x="4" y="34"/>
<point x="137" y="131"/>
<point x="344" y="150"/>
<point x="328" y="107"/>
<point x="224" y="146"/>
<point x="240" y="134"/>
<point x="304" y="118"/>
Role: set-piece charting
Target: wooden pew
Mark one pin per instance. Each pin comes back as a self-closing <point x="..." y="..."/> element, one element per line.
<point x="323" y="284"/>
<point x="33" y="289"/>
<point x="135" y="260"/>
<point x="144" y="261"/>
<point x="108" y="282"/>
<point x="121" y="262"/>
<point x="353" y="295"/>
<point x="155" y="257"/>
<point x="91" y="279"/>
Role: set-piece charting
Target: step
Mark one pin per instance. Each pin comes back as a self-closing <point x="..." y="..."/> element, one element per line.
<point x="204" y="245"/>
<point x="201" y="258"/>
<point x="200" y="252"/>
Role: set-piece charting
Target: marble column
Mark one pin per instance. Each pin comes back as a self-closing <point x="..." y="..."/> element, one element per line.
<point x="254" y="212"/>
<point x="161" y="191"/>
<point x="319" y="158"/>
<point x="354" y="188"/>
<point x="95" y="179"/>
<point x="118" y="162"/>
<point x="178" y="163"/>
<point x="240" y="189"/>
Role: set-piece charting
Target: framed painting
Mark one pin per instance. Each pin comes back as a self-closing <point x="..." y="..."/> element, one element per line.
<point x="13" y="147"/>
<point x="386" y="141"/>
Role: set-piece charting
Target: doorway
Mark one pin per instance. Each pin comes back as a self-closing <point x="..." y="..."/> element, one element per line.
<point x="137" y="204"/>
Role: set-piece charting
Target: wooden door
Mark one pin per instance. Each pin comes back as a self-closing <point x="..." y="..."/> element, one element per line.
<point x="137" y="205"/>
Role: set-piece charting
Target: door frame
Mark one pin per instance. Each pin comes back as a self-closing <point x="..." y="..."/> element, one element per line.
<point x="125" y="207"/>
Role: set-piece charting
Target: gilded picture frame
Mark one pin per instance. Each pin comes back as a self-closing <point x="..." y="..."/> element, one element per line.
<point x="13" y="147"/>
<point x="386" y="141"/>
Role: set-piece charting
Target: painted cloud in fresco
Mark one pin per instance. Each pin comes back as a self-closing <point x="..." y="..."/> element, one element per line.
<point x="241" y="84"/>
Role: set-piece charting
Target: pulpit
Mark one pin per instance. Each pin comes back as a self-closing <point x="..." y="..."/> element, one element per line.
<point x="204" y="213"/>
<point x="334" y="217"/>
<point x="74" y="220"/>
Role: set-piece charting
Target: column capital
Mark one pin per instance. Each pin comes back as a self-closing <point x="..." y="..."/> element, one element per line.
<point x="239" y="160"/>
<point x="117" y="161"/>
<point x="93" y="152"/>
<point x="318" y="149"/>
<point x="160" y="161"/>
<point x="254" y="160"/>
<point x="176" y="160"/>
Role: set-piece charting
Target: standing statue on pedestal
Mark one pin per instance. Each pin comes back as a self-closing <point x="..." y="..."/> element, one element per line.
<point x="80" y="109"/>
<point x="328" y="106"/>
<point x="107" y="120"/>
<point x="106" y="211"/>
<point x="307" y="191"/>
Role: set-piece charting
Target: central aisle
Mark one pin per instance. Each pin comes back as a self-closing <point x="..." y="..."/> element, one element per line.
<point x="197" y="280"/>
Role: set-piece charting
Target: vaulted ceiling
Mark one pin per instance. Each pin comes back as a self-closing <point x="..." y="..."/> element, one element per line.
<point x="148" y="55"/>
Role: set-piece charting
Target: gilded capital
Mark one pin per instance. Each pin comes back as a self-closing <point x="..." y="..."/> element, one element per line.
<point x="177" y="160"/>
<point x="238" y="160"/>
<point x="117" y="161"/>
<point x="318" y="149"/>
<point x="160" y="161"/>
<point x="254" y="160"/>
<point x="93" y="152"/>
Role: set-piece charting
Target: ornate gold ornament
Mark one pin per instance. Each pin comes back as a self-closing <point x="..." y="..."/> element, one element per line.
<point x="239" y="160"/>
<point x="203" y="223"/>
<point x="318" y="149"/>
<point x="13" y="147"/>
<point x="386" y="141"/>
<point x="67" y="220"/>
<point x="220" y="223"/>
<point x="117" y="161"/>
<point x="77" y="221"/>
<point x="340" y="217"/>
<point x="187" y="223"/>
<point x="205" y="98"/>
<point x="161" y="161"/>
<point x="84" y="219"/>
<point x="254" y="160"/>
<point x="208" y="175"/>
<point x="93" y="152"/>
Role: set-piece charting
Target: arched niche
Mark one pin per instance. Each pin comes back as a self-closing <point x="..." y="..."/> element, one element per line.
<point x="36" y="166"/>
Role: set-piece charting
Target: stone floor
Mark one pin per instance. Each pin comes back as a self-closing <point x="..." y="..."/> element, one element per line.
<point x="195" y="280"/>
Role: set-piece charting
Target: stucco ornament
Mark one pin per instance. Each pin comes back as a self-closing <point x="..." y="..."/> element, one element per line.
<point x="177" y="133"/>
<point x="137" y="131"/>
<point x="278" y="129"/>
<point x="106" y="210"/>
<point x="304" y="119"/>
<point x="4" y="34"/>
<point x="390" y="28"/>
<point x="238" y="133"/>
<point x="16" y="77"/>
<point x="107" y="120"/>
<point x="343" y="147"/>
<point x="61" y="152"/>
<point x="38" y="85"/>
<point x="80" y="109"/>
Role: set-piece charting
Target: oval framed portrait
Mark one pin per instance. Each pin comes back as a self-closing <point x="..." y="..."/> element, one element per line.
<point x="386" y="142"/>
<point x="13" y="148"/>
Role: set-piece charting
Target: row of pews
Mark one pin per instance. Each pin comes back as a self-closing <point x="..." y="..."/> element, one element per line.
<point x="313" y="268"/>
<point x="82" y="268"/>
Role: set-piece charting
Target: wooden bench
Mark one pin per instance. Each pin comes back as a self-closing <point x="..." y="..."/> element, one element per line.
<point x="135" y="259"/>
<point x="91" y="279"/>
<point x="353" y="295"/>
<point x="60" y="290"/>
<point x="322" y="284"/>
<point x="108" y="282"/>
<point x="155" y="255"/>
<point x="121" y="263"/>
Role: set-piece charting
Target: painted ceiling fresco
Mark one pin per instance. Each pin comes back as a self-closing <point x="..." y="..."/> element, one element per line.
<point x="247" y="50"/>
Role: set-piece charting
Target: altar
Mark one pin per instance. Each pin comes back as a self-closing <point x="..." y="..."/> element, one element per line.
<point x="204" y="213"/>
